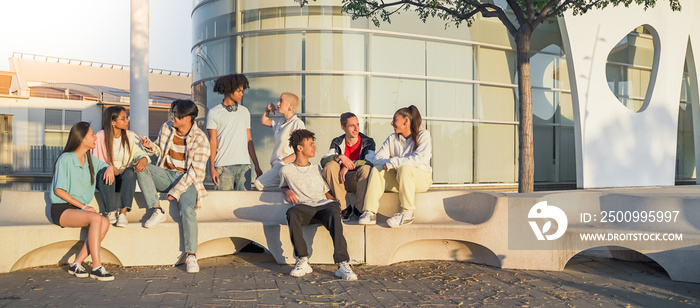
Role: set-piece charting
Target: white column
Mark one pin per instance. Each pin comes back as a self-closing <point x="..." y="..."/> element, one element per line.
<point x="139" y="67"/>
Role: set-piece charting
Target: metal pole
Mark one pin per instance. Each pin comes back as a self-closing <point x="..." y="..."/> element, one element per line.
<point x="138" y="98"/>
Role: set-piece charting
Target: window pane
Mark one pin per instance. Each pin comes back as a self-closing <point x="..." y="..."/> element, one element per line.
<point x="497" y="103"/>
<point x="543" y="106"/>
<point x="496" y="153"/>
<point x="335" y="51"/>
<point x="215" y="58"/>
<point x="53" y="119"/>
<point x="544" y="153"/>
<point x="450" y="100"/>
<point x="335" y="94"/>
<point x="496" y="65"/>
<point x="567" y="154"/>
<point x="450" y="60"/>
<point x="390" y="94"/>
<point x="272" y="52"/>
<point x="563" y="75"/>
<point x="215" y="18"/>
<point x="542" y="70"/>
<point x="72" y="117"/>
<point x="400" y="56"/>
<point x="452" y="152"/>
<point x="566" y="109"/>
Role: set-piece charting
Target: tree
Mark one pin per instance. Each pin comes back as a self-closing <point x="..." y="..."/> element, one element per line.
<point x="528" y="14"/>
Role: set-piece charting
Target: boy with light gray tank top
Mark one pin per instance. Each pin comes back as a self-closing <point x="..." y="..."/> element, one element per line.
<point x="302" y="184"/>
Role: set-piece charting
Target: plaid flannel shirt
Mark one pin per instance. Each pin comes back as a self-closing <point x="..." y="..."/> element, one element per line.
<point x="198" y="152"/>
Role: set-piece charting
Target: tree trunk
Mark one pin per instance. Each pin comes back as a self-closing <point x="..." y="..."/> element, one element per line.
<point x="526" y="157"/>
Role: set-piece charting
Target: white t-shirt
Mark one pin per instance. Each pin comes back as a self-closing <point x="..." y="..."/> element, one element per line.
<point x="231" y="135"/>
<point x="306" y="183"/>
<point x="282" y="131"/>
<point x="118" y="152"/>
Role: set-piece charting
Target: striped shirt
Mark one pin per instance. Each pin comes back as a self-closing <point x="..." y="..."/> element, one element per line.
<point x="175" y="159"/>
<point x="196" y="152"/>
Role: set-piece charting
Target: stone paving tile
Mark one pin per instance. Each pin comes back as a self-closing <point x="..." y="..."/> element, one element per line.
<point x="255" y="280"/>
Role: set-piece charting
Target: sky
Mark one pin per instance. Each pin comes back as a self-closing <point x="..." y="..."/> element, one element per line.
<point x="95" y="30"/>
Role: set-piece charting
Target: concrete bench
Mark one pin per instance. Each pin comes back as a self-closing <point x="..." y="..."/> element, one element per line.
<point x="228" y="222"/>
<point x="461" y="225"/>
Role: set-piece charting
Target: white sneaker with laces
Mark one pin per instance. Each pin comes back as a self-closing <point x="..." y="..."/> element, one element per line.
<point x="112" y="216"/>
<point x="345" y="271"/>
<point x="368" y="218"/>
<point x="157" y="217"/>
<point x="192" y="265"/>
<point x="302" y="268"/>
<point x="400" y="219"/>
<point x="122" y="221"/>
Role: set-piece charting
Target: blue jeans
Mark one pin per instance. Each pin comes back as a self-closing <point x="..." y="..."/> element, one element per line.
<point x="156" y="179"/>
<point x="233" y="177"/>
<point x="125" y="183"/>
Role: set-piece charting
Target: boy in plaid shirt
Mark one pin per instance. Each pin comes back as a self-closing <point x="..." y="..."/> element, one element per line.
<point x="182" y="150"/>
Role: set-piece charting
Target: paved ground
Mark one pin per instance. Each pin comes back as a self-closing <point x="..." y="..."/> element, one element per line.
<point x="250" y="280"/>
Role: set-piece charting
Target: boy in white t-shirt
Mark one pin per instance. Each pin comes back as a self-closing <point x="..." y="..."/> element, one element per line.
<point x="228" y="125"/>
<point x="302" y="184"/>
<point x="283" y="153"/>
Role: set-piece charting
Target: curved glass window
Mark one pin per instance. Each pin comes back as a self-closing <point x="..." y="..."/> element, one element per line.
<point x="465" y="90"/>
<point x="215" y="58"/>
<point x="213" y="19"/>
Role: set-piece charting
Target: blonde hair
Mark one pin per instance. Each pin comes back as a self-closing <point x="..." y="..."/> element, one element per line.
<point x="293" y="97"/>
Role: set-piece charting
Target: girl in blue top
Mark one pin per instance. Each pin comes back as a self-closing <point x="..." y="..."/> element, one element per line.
<point x="73" y="187"/>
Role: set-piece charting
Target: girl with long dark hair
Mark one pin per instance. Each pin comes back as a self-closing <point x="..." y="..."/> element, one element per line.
<point x="402" y="164"/>
<point x="73" y="187"/>
<point x="117" y="146"/>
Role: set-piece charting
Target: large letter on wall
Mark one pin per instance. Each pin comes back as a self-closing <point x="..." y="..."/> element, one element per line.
<point x="615" y="146"/>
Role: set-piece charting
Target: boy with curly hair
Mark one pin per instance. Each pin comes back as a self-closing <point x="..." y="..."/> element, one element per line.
<point x="302" y="185"/>
<point x="228" y="125"/>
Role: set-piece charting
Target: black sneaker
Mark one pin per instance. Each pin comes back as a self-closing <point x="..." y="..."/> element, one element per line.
<point x="346" y="214"/>
<point x="101" y="274"/>
<point x="78" y="270"/>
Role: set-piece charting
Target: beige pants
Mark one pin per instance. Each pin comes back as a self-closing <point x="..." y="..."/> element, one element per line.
<point x="406" y="180"/>
<point x="355" y="181"/>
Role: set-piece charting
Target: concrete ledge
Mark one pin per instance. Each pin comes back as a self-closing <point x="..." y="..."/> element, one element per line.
<point x="463" y="225"/>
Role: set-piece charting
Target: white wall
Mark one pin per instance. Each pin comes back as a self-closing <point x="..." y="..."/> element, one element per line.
<point x="617" y="147"/>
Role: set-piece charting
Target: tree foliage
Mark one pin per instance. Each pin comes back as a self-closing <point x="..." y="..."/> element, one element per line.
<point x="527" y="12"/>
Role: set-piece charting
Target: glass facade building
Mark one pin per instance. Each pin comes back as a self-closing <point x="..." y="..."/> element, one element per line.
<point x="462" y="79"/>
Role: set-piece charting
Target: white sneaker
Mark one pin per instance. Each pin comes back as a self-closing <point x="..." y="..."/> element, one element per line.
<point x="368" y="218"/>
<point x="157" y="217"/>
<point x="302" y="268"/>
<point x="192" y="265"/>
<point x="112" y="216"/>
<point x="122" y="221"/>
<point x="400" y="219"/>
<point x="345" y="271"/>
